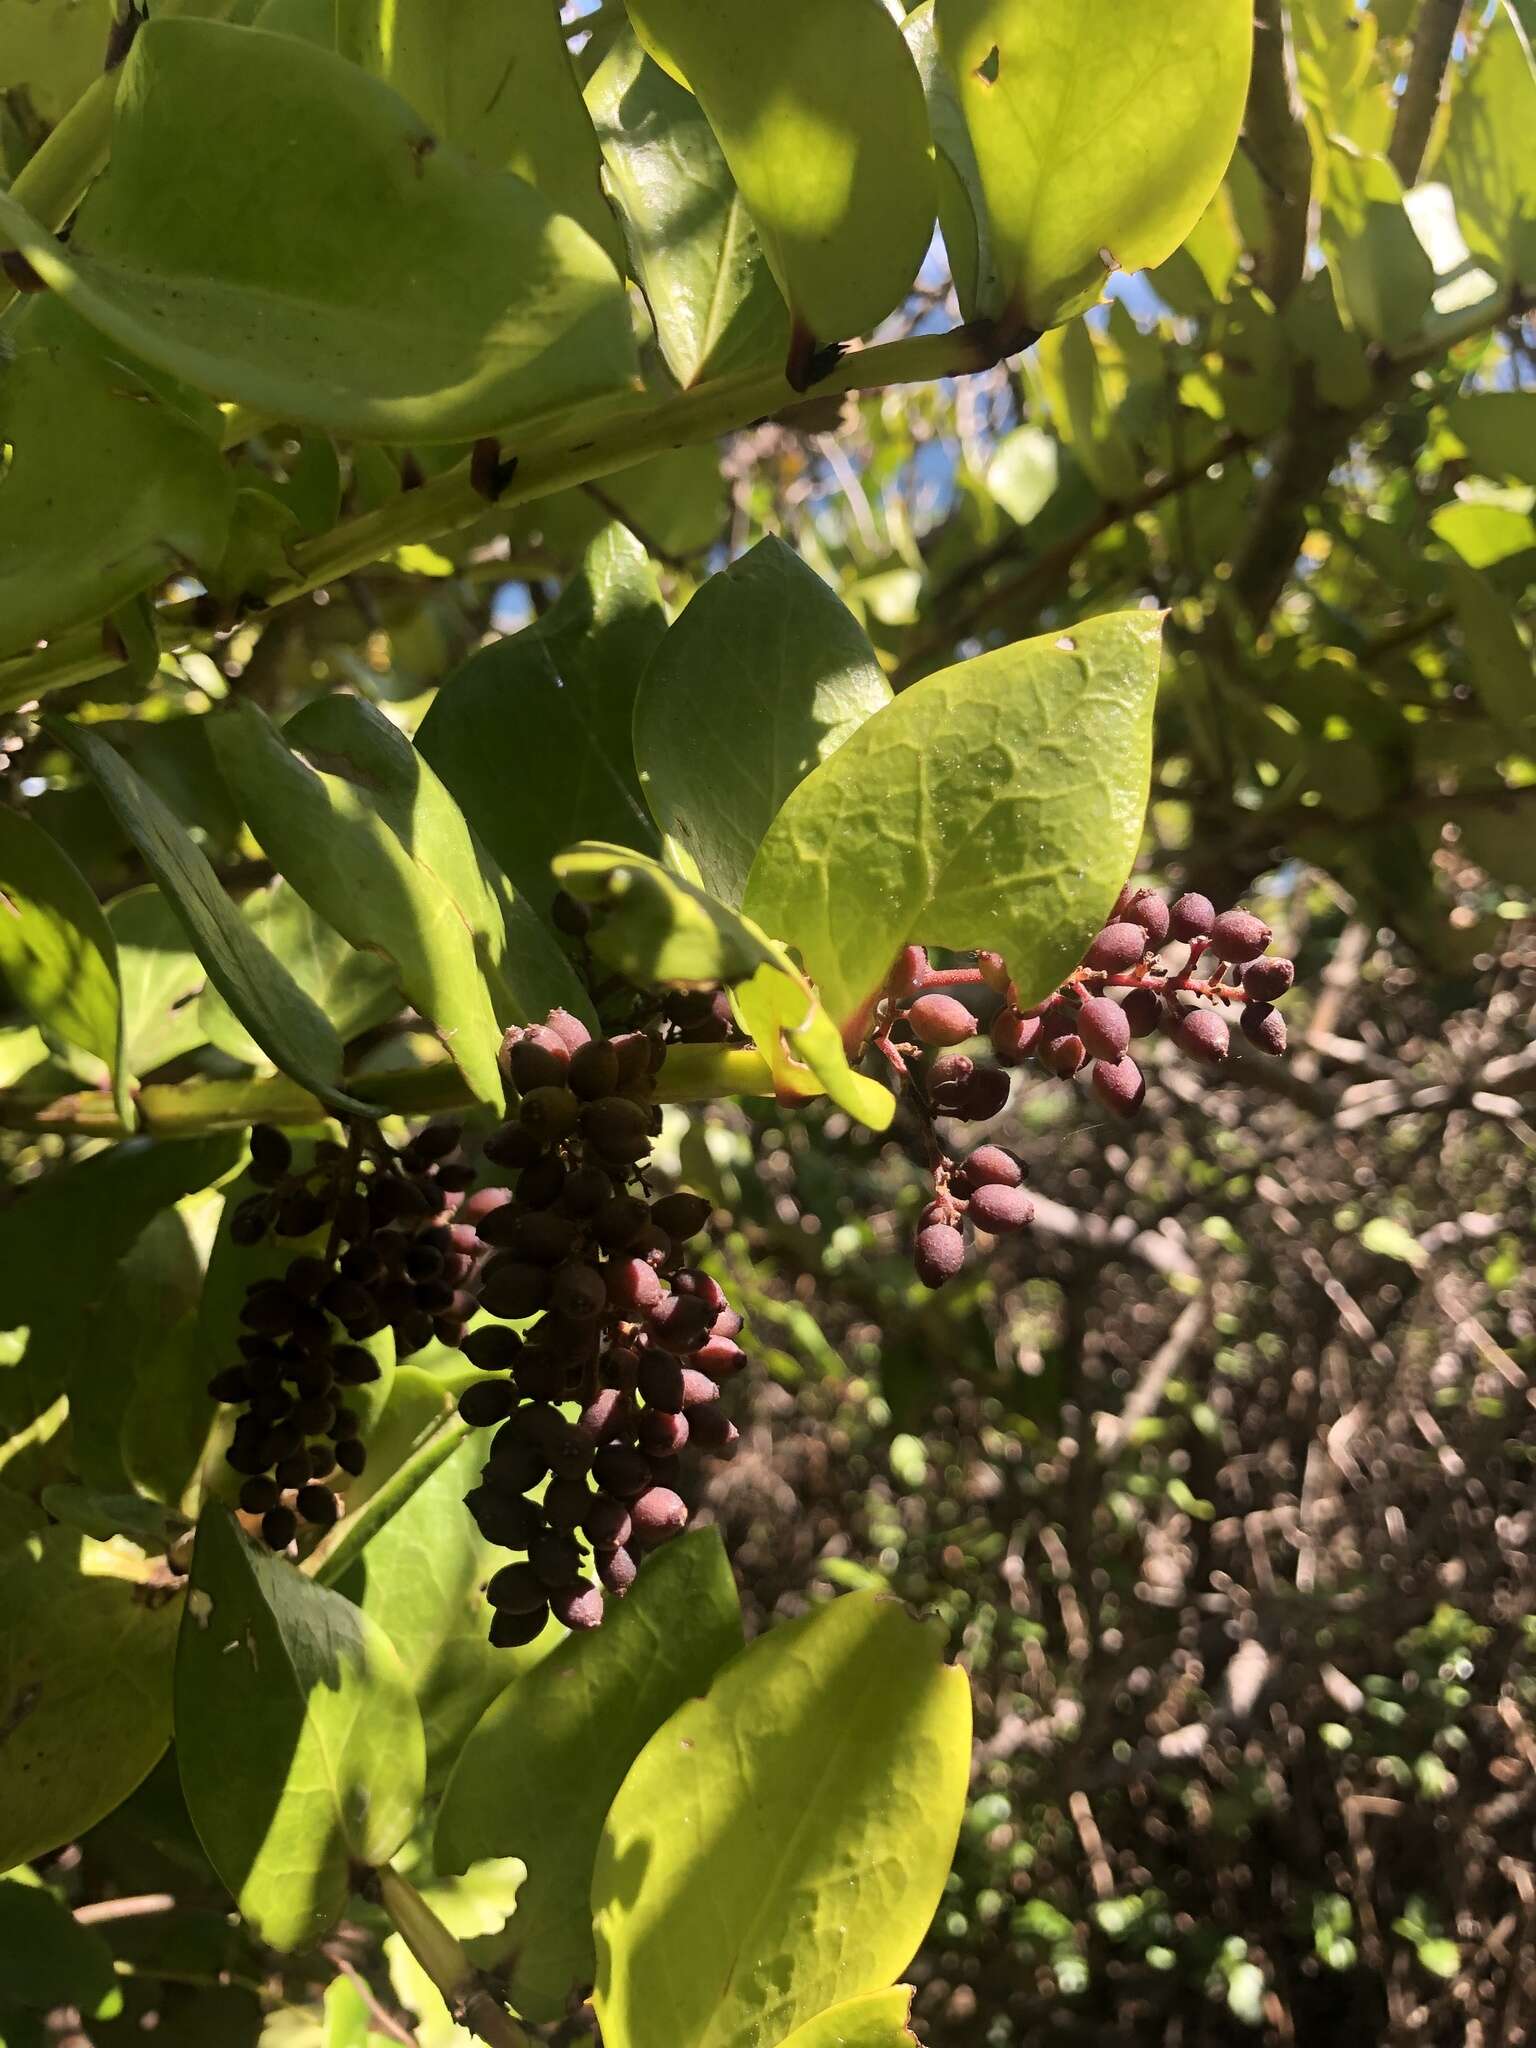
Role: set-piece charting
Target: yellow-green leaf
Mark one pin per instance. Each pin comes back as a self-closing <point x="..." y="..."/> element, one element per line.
<point x="779" y="1846"/>
<point x="1102" y="129"/>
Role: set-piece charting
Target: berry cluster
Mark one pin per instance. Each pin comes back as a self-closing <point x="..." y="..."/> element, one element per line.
<point x="1141" y="976"/>
<point x="399" y="1253"/>
<point x="617" y="1323"/>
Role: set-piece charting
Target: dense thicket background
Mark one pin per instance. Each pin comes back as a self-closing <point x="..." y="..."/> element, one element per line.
<point x="1221" y="1477"/>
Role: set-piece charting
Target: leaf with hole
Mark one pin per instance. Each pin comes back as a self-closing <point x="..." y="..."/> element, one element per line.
<point x="297" y="1736"/>
<point x="1102" y="129"/>
<point x="334" y="271"/>
<point x="996" y="804"/>
<point x="818" y="109"/>
<point x="293" y="1031"/>
<point x="780" y="1846"/>
<point x="57" y="952"/>
<point x="765" y="674"/>
<point x="538" y="1774"/>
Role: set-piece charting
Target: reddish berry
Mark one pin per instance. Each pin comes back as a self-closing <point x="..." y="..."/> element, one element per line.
<point x="1120" y="1085"/>
<point x="1265" y="981"/>
<point x="1148" y="909"/>
<point x="1064" y="1056"/>
<point x="1117" y="947"/>
<point x="1264" y="1027"/>
<point x="1001" y="1210"/>
<point x="940" y="1020"/>
<point x="1014" y="1038"/>
<point x="1102" y="1026"/>
<point x="991" y="1166"/>
<point x="1239" y="936"/>
<point x="1205" y="1036"/>
<point x="938" y="1254"/>
<point x="1192" y="917"/>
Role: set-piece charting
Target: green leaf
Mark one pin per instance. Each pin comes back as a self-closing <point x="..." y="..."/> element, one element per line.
<point x="422" y="1579"/>
<point x="1382" y="277"/>
<point x="1500" y="660"/>
<point x="109" y="489"/>
<point x="294" y="1032"/>
<point x="497" y="82"/>
<point x="819" y="111"/>
<point x="357" y="822"/>
<point x="1102" y="129"/>
<point x="963" y="212"/>
<point x="538" y="1774"/>
<point x="1440" y="1956"/>
<point x="103" y="1515"/>
<point x="297" y="1738"/>
<point x="657" y="928"/>
<point x="780" y="1846"/>
<point x="692" y="245"/>
<point x="765" y="674"/>
<point x="1498" y="430"/>
<point x="159" y="974"/>
<point x="1389" y="1239"/>
<point x="996" y="804"/>
<point x="355" y="989"/>
<point x="57" y="952"/>
<point x="50" y="1960"/>
<point x="785" y="1019"/>
<point x="876" y="2021"/>
<point x="1487" y="160"/>
<point x="1484" y="531"/>
<point x="85" y="1689"/>
<point x="1023" y="473"/>
<point x="51" y="50"/>
<point x="533" y="734"/>
<point x="356" y="295"/>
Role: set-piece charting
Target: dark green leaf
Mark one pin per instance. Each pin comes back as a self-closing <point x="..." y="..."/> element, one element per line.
<point x="297" y="1738"/>
<point x="355" y="989"/>
<point x="160" y="974"/>
<point x="356" y="296"/>
<point x="537" y="1775"/>
<point x="295" y="1034"/>
<point x="1502" y="670"/>
<point x="104" y="1515"/>
<point x="780" y="1845"/>
<point x="1382" y="277"/>
<point x="85" y="1689"/>
<point x="533" y="734"/>
<point x="996" y="804"/>
<point x="765" y="674"/>
<point x="49" y="1959"/>
<point x="57" y="951"/>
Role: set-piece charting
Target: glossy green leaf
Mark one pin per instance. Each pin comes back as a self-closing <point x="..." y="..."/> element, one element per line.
<point x="819" y="111"/>
<point x="1488" y="161"/>
<point x="1485" y="532"/>
<point x="765" y="674"/>
<point x="996" y="804"/>
<point x="1499" y="429"/>
<point x="1501" y="662"/>
<point x="355" y="989"/>
<point x="876" y="2021"/>
<point x="57" y="952"/>
<point x="295" y="1034"/>
<point x="160" y="974"/>
<point x="536" y="1777"/>
<point x="533" y="734"/>
<point x="85" y="1689"/>
<point x="658" y="928"/>
<point x="50" y="1960"/>
<point x="297" y="1737"/>
<point x="963" y="212"/>
<point x="691" y="240"/>
<point x="109" y="489"/>
<point x="780" y="1846"/>
<point x="495" y="79"/>
<point x="422" y="1579"/>
<point x="362" y="829"/>
<point x="786" y="1020"/>
<point x="51" y="50"/>
<point x="1102" y="129"/>
<point x="1382" y="277"/>
<point x="356" y="295"/>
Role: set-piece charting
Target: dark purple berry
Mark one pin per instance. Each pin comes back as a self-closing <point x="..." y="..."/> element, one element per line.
<point x="577" y="1606"/>
<point x="279" y="1526"/>
<point x="1265" y="981"/>
<point x="1118" y="947"/>
<point x="1264" y="1027"/>
<point x="487" y="1402"/>
<point x="516" y="1589"/>
<point x="1192" y="917"/>
<point x="512" y="1631"/>
<point x="657" y="1515"/>
<point x="1238" y="936"/>
<point x="1120" y="1085"/>
<point x="1064" y="1056"/>
<point x="617" y="1570"/>
<point x="1148" y="909"/>
<point x="1205" y="1036"/>
<point x="681" y="1215"/>
<point x="317" y="1504"/>
<point x="621" y="1470"/>
<point x="351" y="1456"/>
